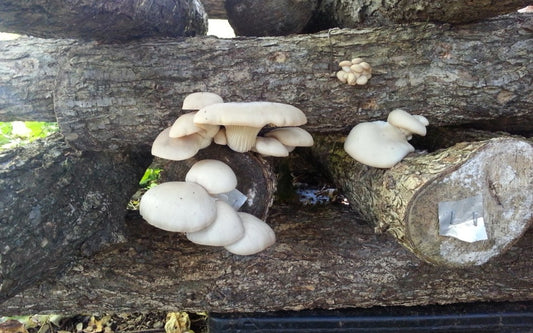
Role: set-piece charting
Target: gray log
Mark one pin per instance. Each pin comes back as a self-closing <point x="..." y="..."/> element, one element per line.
<point x="28" y="71"/>
<point x="111" y="97"/>
<point x="58" y="204"/>
<point x="353" y="13"/>
<point x="103" y="20"/>
<point x="364" y="13"/>
<point x="323" y="258"/>
<point x="269" y="17"/>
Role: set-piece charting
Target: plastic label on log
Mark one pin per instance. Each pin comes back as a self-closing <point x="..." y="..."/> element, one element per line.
<point x="234" y="198"/>
<point x="463" y="219"/>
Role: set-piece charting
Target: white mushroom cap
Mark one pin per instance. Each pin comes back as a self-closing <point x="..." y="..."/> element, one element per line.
<point x="178" y="207"/>
<point x="257" y="236"/>
<point x="183" y="126"/>
<point x="292" y="136"/>
<point x="405" y="121"/>
<point x="178" y="149"/>
<point x="215" y="176"/>
<point x="198" y="100"/>
<point x="243" y="121"/>
<point x="270" y="147"/>
<point x="377" y="144"/>
<point x="226" y="229"/>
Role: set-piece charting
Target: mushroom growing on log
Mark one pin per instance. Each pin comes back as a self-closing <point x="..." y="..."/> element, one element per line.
<point x="404" y="200"/>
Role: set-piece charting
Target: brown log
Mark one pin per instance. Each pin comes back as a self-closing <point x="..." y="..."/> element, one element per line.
<point x="323" y="258"/>
<point x="103" y="21"/>
<point x="111" y="97"/>
<point x="255" y="177"/>
<point x="269" y="17"/>
<point x="404" y="200"/>
<point x="57" y="205"/>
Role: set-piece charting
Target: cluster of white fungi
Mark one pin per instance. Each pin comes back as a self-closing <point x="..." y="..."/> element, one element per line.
<point x="354" y="72"/>
<point x="199" y="206"/>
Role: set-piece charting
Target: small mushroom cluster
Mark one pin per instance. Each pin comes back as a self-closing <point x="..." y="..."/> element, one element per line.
<point x="354" y="72"/>
<point x="236" y="124"/>
<point x="382" y="144"/>
<point x="197" y="207"/>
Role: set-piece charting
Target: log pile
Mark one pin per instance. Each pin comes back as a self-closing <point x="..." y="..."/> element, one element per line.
<point x="113" y="87"/>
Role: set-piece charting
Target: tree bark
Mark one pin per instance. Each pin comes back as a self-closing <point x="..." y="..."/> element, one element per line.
<point x="269" y="17"/>
<point x="404" y="200"/>
<point x="364" y="13"/>
<point x="112" y="97"/>
<point x="323" y="258"/>
<point x="350" y="13"/>
<point x="103" y="21"/>
<point x="58" y="204"/>
<point x="28" y="72"/>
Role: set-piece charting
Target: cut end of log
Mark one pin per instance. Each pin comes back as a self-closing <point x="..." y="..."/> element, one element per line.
<point x="499" y="170"/>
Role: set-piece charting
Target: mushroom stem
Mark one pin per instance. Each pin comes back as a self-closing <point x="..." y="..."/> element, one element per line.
<point x="241" y="138"/>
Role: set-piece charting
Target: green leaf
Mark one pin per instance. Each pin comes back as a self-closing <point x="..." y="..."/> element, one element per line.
<point x="150" y="177"/>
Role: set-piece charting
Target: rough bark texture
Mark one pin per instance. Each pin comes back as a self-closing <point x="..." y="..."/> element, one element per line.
<point x="111" y="97"/>
<point x="255" y="177"/>
<point x="28" y="72"/>
<point x="57" y="204"/>
<point x="403" y="200"/>
<point x="323" y="258"/>
<point x="103" y="20"/>
<point x="350" y="13"/>
<point x="364" y="13"/>
<point x="269" y="17"/>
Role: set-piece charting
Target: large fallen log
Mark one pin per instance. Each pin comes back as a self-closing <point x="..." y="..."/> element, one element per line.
<point x="57" y="205"/>
<point x="451" y="207"/>
<point x="121" y="96"/>
<point x="323" y="258"/>
<point x="103" y="21"/>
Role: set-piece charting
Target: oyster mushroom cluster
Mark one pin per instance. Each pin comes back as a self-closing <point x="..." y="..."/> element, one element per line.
<point x="236" y="124"/>
<point x="354" y="72"/>
<point x="382" y="144"/>
<point x="200" y="208"/>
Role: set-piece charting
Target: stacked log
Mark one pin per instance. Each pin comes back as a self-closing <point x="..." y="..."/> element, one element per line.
<point x="112" y="99"/>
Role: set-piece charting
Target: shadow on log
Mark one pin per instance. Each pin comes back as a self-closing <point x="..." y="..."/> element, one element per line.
<point x="404" y="200"/>
<point x="58" y="204"/>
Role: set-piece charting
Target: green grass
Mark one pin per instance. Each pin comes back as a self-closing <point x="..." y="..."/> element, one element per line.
<point x="17" y="133"/>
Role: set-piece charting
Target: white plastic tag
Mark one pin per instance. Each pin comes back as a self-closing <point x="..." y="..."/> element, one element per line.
<point x="234" y="198"/>
<point x="463" y="219"/>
